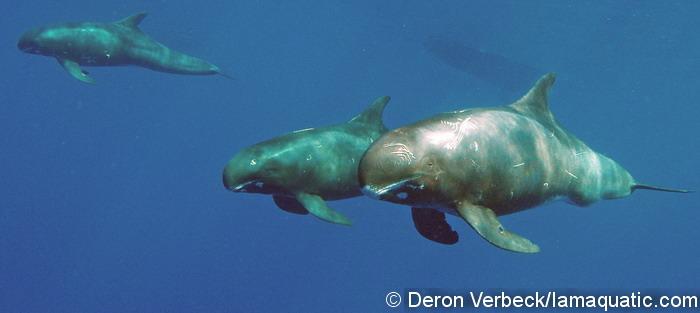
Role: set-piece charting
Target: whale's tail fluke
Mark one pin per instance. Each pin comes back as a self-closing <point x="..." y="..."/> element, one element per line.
<point x="225" y="74"/>
<point x="649" y="187"/>
<point x="217" y="70"/>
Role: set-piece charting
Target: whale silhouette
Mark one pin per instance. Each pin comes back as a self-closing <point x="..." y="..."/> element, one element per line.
<point x="484" y="162"/>
<point x="109" y="44"/>
<point x="498" y="70"/>
<point x="304" y="169"/>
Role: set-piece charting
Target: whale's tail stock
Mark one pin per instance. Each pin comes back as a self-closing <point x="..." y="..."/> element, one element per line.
<point x="649" y="187"/>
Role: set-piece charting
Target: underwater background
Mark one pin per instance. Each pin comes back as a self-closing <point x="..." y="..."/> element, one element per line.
<point x="111" y="197"/>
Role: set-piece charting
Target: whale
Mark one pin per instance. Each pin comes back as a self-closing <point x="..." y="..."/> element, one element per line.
<point x="109" y="44"/>
<point x="304" y="169"/>
<point x="498" y="70"/>
<point x="481" y="163"/>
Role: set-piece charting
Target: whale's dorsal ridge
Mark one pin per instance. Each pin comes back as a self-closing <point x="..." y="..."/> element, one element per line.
<point x="132" y="21"/>
<point x="535" y="102"/>
<point x="373" y="114"/>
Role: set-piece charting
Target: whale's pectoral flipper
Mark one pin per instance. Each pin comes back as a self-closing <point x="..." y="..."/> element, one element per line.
<point x="318" y="207"/>
<point x="432" y="225"/>
<point x="290" y="205"/>
<point x="485" y="222"/>
<point x="74" y="69"/>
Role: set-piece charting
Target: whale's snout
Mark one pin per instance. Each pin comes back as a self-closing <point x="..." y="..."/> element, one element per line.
<point x="27" y="43"/>
<point x="24" y="44"/>
<point x="246" y="173"/>
<point x="233" y="180"/>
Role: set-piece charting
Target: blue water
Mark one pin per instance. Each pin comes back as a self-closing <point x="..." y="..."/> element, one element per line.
<point x="111" y="197"/>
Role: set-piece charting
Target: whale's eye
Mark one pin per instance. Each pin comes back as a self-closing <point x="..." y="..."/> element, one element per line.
<point x="271" y="168"/>
<point x="402" y="195"/>
<point x="428" y="161"/>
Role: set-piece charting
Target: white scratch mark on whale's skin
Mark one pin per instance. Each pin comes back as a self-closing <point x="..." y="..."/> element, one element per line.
<point x="475" y="164"/>
<point x="571" y="174"/>
<point x="451" y="138"/>
<point x="404" y="154"/>
<point x="302" y="130"/>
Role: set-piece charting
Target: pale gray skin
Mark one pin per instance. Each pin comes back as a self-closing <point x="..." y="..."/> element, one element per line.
<point x="484" y="162"/>
<point x="109" y="44"/>
<point x="303" y="169"/>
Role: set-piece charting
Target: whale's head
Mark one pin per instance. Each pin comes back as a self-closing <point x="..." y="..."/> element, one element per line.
<point x="38" y="41"/>
<point x="29" y="42"/>
<point x="49" y="40"/>
<point x="262" y="168"/>
<point x="401" y="168"/>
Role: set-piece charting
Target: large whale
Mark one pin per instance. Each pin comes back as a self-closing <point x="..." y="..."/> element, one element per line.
<point x="305" y="168"/>
<point x="496" y="69"/>
<point x="109" y="44"/>
<point x="484" y="162"/>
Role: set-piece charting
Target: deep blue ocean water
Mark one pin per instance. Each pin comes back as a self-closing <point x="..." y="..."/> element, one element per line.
<point x="111" y="197"/>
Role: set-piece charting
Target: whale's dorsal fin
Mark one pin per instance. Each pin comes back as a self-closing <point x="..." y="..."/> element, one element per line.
<point x="132" y="21"/>
<point x="534" y="103"/>
<point x="373" y="114"/>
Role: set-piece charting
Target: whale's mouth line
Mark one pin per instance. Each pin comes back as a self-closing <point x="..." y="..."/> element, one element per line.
<point x="28" y="49"/>
<point x="376" y="192"/>
<point x="243" y="187"/>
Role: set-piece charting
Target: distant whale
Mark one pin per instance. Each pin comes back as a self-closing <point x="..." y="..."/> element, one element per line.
<point x="495" y="69"/>
<point x="484" y="162"/>
<point x="304" y="169"/>
<point x="109" y="44"/>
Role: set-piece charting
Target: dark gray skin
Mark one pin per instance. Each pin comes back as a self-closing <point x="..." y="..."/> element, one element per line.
<point x="303" y="169"/>
<point x="485" y="162"/>
<point x="109" y="44"/>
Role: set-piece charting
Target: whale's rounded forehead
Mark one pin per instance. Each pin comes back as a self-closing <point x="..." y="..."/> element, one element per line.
<point x="390" y="158"/>
<point x="273" y="150"/>
<point x="241" y="162"/>
<point x="29" y="42"/>
<point x="250" y="156"/>
<point x="31" y="33"/>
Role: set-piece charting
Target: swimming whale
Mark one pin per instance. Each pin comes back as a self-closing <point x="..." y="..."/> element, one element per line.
<point x="498" y="70"/>
<point x="109" y="44"/>
<point x="484" y="162"/>
<point x="304" y="169"/>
